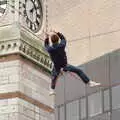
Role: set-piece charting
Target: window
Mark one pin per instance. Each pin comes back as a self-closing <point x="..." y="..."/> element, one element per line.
<point x="106" y="100"/>
<point x="83" y="108"/>
<point x="94" y="104"/>
<point x="62" y="113"/>
<point x="116" y="97"/>
<point x="72" y="110"/>
<point x="57" y="113"/>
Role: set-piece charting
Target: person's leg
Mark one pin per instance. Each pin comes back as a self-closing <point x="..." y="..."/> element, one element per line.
<point x="78" y="71"/>
<point x="81" y="74"/>
<point x="55" y="74"/>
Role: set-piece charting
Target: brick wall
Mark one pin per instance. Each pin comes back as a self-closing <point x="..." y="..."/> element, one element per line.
<point x="18" y="109"/>
<point x="24" y="91"/>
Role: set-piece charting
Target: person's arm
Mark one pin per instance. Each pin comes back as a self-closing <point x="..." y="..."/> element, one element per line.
<point x="47" y="43"/>
<point x="63" y="39"/>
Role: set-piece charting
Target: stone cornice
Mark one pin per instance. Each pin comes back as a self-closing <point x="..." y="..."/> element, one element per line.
<point x="26" y="44"/>
<point x="26" y="98"/>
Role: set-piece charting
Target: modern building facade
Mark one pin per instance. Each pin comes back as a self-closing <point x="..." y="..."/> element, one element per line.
<point x="79" y="102"/>
<point x="92" y="31"/>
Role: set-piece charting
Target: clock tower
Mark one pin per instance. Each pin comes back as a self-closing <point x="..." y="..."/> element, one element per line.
<point x="24" y="64"/>
<point x="31" y="14"/>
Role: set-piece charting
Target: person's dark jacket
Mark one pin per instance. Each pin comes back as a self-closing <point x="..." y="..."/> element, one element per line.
<point x="57" y="52"/>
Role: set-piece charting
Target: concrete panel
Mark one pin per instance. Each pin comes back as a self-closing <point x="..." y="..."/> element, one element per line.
<point x="69" y="87"/>
<point x="70" y="17"/>
<point x="115" y="67"/>
<point x="105" y="116"/>
<point x="104" y="16"/>
<point x="78" y="52"/>
<point x="116" y="114"/>
<point x="98" y="70"/>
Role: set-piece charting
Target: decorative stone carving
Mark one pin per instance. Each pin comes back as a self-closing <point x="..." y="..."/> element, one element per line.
<point x="26" y="44"/>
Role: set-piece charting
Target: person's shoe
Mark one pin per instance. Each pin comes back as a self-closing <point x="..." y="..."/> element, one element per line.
<point x="93" y="83"/>
<point x="52" y="92"/>
<point x="52" y="106"/>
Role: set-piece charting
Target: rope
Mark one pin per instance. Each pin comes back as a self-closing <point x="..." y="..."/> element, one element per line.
<point x="46" y="23"/>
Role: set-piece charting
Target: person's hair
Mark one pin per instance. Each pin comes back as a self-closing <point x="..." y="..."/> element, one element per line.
<point x="54" y="38"/>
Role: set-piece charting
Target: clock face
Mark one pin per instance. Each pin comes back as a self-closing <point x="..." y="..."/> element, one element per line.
<point x="3" y="5"/>
<point x="33" y="14"/>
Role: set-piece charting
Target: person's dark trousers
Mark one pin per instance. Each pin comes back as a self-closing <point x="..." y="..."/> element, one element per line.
<point x="78" y="71"/>
<point x="55" y="74"/>
<point x="70" y="68"/>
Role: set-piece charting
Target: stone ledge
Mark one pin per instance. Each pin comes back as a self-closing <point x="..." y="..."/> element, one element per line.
<point x="27" y="50"/>
<point x="24" y="42"/>
<point x="26" y="98"/>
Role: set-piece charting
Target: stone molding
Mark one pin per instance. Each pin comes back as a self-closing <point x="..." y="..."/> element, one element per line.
<point x="26" y="98"/>
<point x="28" y="45"/>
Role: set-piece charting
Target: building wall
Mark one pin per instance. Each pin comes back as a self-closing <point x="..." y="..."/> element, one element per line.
<point x="17" y="109"/>
<point x="92" y="31"/>
<point x="76" y="101"/>
<point x="91" y="27"/>
<point x="24" y="90"/>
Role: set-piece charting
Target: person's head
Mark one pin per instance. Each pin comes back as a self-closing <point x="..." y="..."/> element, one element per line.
<point x="54" y="38"/>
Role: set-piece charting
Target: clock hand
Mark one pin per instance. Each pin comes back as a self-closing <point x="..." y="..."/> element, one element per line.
<point x="32" y="10"/>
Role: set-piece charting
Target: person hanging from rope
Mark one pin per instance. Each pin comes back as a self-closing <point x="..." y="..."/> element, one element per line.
<point x="59" y="59"/>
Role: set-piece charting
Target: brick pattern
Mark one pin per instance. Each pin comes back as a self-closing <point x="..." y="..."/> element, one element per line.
<point x="19" y="75"/>
<point x="9" y="76"/>
<point x="34" y="84"/>
<point x="16" y="75"/>
<point x="18" y="109"/>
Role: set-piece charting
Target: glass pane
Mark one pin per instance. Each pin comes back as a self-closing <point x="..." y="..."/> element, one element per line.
<point x="94" y="104"/>
<point x="116" y="97"/>
<point x="62" y="113"/>
<point x="83" y="108"/>
<point x="72" y="110"/>
<point x="106" y="100"/>
<point x="116" y="114"/>
<point x="57" y="113"/>
<point x="105" y="116"/>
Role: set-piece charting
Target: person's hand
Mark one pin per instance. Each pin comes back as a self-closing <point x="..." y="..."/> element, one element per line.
<point x="53" y="31"/>
<point x="46" y="35"/>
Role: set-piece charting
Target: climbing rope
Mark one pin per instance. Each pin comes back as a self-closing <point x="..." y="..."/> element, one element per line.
<point x="46" y="23"/>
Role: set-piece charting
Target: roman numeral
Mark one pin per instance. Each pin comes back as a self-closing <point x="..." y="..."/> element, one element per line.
<point x="24" y="12"/>
<point x="37" y="22"/>
<point x="38" y="16"/>
<point x="2" y="10"/>
<point x="27" y="20"/>
<point x="23" y="5"/>
<point x="31" y="25"/>
<point x="34" y="27"/>
<point x="3" y="2"/>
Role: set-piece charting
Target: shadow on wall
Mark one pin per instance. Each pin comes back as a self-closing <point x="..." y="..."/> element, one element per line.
<point x="104" y="69"/>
